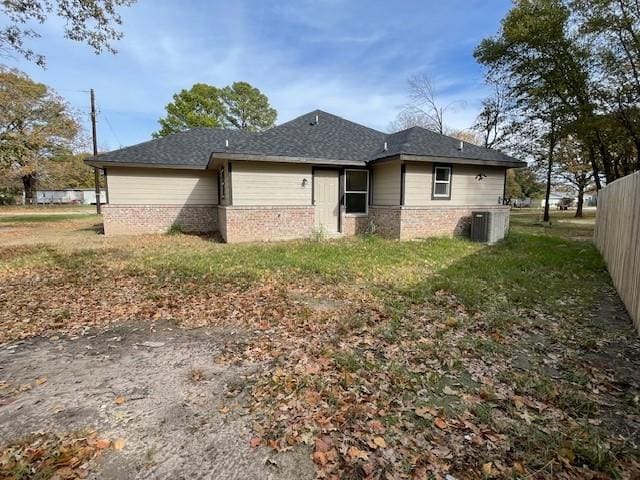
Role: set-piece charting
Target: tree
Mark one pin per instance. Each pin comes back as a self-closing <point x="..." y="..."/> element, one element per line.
<point x="467" y="135"/>
<point x="492" y="119"/>
<point x="67" y="171"/>
<point x="512" y="187"/>
<point x="247" y="108"/>
<point x="582" y="56"/>
<point x="528" y="182"/>
<point x="613" y="28"/>
<point x="424" y="108"/>
<point x="574" y="169"/>
<point x="523" y="183"/>
<point x="239" y="106"/>
<point x="407" y="119"/>
<point x="90" y="21"/>
<point x="35" y="125"/>
<point x="200" y="106"/>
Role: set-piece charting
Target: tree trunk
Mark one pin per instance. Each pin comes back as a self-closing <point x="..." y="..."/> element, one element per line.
<point x="607" y="164"/>
<point x="545" y="217"/>
<point x="29" y="184"/>
<point x="552" y="147"/>
<point x="594" y="166"/>
<point x="580" y="201"/>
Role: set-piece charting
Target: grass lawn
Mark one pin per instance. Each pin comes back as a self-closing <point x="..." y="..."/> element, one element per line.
<point x="389" y="359"/>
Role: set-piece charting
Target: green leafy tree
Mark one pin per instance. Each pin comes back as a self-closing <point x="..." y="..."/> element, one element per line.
<point x="523" y="183"/>
<point x="67" y="171"/>
<point x="513" y="189"/>
<point x="573" y="169"/>
<point x="93" y="22"/>
<point x="612" y="28"/>
<point x="239" y="106"/>
<point x="546" y="69"/>
<point x="35" y="126"/>
<point x="247" y="108"/>
<point x="582" y="58"/>
<point x="200" y="106"/>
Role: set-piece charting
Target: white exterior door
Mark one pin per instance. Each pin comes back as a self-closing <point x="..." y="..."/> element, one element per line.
<point x="327" y="199"/>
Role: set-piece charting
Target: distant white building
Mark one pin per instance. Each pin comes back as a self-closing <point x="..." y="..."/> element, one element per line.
<point x="555" y="197"/>
<point x="80" y="196"/>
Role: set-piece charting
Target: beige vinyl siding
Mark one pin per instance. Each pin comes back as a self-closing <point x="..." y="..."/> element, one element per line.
<point x="161" y="186"/>
<point x="386" y="184"/>
<point x="465" y="188"/>
<point x="270" y="183"/>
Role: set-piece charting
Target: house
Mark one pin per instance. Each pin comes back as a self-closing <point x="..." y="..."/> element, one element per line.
<point x="556" y="197"/>
<point x="318" y="172"/>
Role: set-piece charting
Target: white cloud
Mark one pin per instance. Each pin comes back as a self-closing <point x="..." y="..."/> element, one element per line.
<point x="348" y="58"/>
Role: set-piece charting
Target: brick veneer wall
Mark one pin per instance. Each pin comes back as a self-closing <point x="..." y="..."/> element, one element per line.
<point x="140" y="219"/>
<point x="386" y="220"/>
<point x="255" y="224"/>
<point x="354" y="224"/>
<point x="248" y="224"/>
<point x="407" y="223"/>
<point x="419" y="222"/>
<point x="222" y="222"/>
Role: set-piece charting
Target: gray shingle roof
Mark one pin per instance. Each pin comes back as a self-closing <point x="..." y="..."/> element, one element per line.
<point x="423" y="142"/>
<point x="330" y="138"/>
<point x="191" y="149"/>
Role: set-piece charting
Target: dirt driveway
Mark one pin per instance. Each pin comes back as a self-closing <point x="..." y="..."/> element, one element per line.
<point x="157" y="387"/>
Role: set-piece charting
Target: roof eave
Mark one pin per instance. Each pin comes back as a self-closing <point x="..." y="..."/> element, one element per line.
<point x="286" y="159"/>
<point x="465" y="161"/>
<point x="95" y="162"/>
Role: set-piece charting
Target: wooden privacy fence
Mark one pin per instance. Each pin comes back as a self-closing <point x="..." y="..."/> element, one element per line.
<point x="617" y="236"/>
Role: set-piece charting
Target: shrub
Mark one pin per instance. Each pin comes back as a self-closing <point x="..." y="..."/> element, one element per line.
<point x="175" y="229"/>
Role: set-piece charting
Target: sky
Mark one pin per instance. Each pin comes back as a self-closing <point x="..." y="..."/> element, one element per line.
<point x="351" y="58"/>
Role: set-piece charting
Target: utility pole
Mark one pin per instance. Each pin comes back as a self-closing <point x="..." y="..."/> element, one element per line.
<point x="96" y="171"/>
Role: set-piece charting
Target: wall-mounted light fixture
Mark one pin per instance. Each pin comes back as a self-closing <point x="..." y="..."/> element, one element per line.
<point x="304" y="182"/>
<point x="480" y="176"/>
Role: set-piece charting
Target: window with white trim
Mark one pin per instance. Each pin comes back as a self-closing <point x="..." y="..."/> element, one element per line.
<point x="356" y="191"/>
<point x="441" y="182"/>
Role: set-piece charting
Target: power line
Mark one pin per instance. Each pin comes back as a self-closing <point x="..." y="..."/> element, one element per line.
<point x="113" y="132"/>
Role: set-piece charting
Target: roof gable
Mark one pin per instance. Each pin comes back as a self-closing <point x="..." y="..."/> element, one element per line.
<point x="316" y="134"/>
<point x="422" y="142"/>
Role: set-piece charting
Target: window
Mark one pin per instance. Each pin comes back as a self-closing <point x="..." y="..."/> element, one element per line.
<point x="356" y="190"/>
<point x="221" y="177"/>
<point x="441" y="182"/>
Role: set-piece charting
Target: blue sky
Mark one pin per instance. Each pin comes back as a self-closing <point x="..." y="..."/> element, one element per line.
<point x="349" y="57"/>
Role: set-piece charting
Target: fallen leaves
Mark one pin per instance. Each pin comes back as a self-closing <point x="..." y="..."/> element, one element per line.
<point x="440" y="423"/>
<point x="255" y="442"/>
<point x="320" y="458"/>
<point x="119" y="444"/>
<point x="428" y="393"/>
<point x="49" y="455"/>
<point x="355" y="453"/>
<point x="379" y="442"/>
<point x="103" y="443"/>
